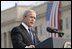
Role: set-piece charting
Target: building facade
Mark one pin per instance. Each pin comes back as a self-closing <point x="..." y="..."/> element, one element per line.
<point x="13" y="17"/>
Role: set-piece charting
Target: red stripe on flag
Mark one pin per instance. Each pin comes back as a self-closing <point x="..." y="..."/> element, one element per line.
<point x="58" y="17"/>
<point x="55" y="20"/>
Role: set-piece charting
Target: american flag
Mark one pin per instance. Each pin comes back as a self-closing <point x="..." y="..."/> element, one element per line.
<point x="52" y="17"/>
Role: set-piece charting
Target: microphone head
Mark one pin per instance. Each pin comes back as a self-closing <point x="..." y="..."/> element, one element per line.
<point x="49" y="29"/>
<point x="52" y="30"/>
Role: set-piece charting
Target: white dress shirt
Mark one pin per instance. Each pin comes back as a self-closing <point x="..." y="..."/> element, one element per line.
<point x="25" y="26"/>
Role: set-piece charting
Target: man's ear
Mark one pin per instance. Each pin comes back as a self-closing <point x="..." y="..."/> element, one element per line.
<point x="23" y="17"/>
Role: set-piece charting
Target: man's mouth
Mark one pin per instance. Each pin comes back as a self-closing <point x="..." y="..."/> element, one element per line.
<point x="31" y="22"/>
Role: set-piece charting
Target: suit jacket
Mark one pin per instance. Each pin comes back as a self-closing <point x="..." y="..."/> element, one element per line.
<point x="21" y="38"/>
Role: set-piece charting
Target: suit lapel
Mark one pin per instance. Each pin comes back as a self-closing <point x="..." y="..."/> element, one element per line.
<point x="26" y="33"/>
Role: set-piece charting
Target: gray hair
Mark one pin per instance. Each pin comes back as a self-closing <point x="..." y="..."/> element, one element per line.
<point x="27" y="11"/>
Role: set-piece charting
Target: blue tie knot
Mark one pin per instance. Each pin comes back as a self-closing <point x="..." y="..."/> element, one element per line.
<point x="29" y="29"/>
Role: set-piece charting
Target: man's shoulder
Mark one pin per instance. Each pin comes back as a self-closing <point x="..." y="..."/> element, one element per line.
<point x="17" y="28"/>
<point x="14" y="29"/>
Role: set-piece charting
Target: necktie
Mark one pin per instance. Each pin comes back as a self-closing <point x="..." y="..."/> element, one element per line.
<point x="30" y="32"/>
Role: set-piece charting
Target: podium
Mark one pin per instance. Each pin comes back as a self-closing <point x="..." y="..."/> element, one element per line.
<point x="54" y="43"/>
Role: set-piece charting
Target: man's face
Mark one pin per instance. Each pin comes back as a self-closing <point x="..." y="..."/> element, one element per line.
<point x="29" y="20"/>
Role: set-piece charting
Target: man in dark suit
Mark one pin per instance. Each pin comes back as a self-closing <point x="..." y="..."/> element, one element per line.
<point x="22" y="35"/>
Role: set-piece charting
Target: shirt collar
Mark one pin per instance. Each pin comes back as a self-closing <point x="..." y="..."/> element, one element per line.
<point x="25" y="26"/>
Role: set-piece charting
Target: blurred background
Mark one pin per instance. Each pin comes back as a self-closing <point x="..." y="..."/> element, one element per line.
<point x="12" y="12"/>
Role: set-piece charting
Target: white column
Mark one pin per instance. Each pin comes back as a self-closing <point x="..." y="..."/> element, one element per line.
<point x="9" y="38"/>
<point x="2" y="40"/>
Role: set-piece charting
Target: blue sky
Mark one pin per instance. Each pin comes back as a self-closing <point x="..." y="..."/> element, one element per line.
<point x="9" y="4"/>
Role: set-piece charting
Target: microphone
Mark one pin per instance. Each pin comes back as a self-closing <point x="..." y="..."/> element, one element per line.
<point x="55" y="31"/>
<point x="52" y="30"/>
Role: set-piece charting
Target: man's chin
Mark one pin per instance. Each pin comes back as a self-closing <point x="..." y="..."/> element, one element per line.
<point x="31" y="26"/>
